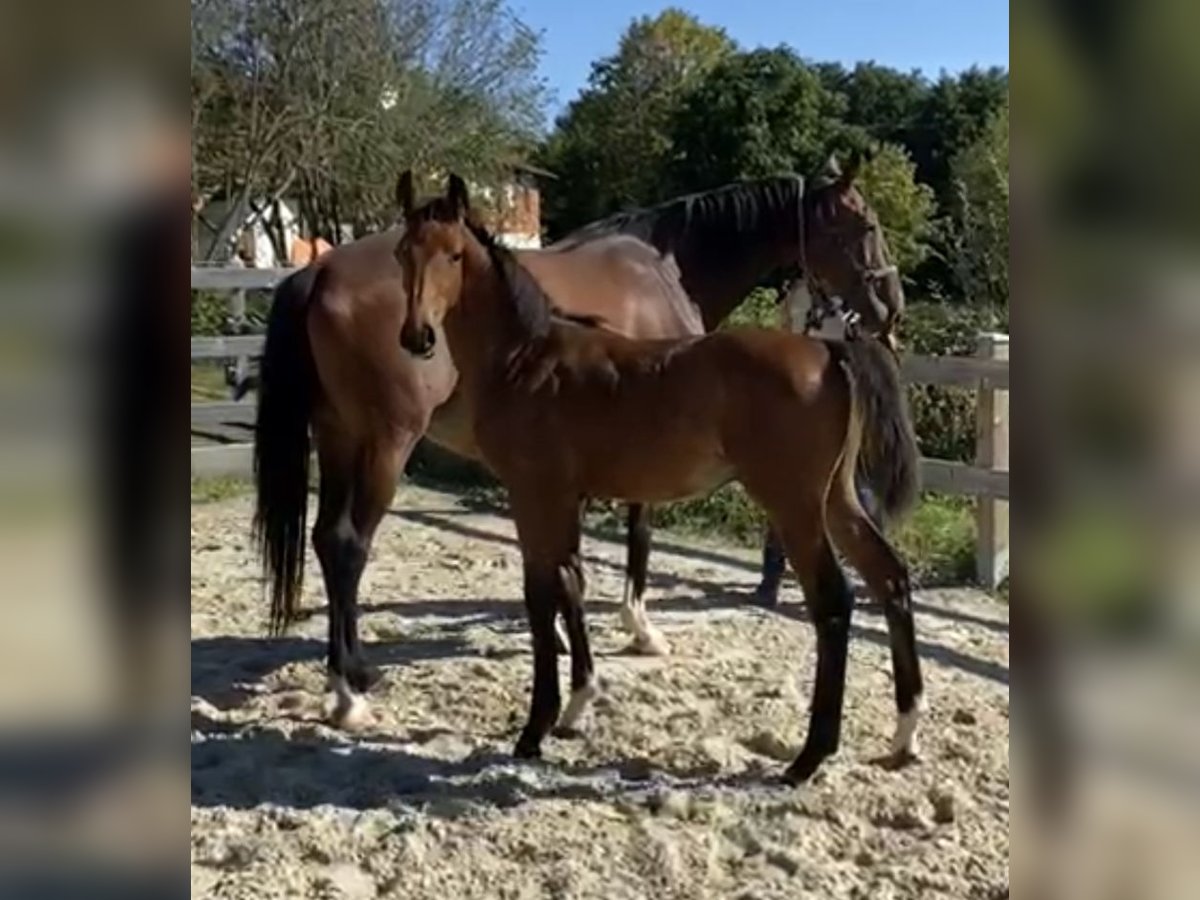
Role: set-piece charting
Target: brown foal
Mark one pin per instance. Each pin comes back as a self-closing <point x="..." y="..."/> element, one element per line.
<point x="562" y="412"/>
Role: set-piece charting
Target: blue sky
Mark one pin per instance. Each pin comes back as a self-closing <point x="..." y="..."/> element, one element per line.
<point x="930" y="35"/>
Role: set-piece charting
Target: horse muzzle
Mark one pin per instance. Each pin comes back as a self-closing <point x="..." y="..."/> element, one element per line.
<point x="419" y="341"/>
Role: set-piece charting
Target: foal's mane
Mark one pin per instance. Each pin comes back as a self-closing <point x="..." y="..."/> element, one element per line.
<point x="535" y="311"/>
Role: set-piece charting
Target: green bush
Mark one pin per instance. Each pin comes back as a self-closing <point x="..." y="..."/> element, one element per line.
<point x="944" y="418"/>
<point x="210" y="312"/>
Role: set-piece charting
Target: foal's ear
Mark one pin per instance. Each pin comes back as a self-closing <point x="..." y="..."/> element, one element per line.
<point x="404" y="193"/>
<point x="456" y="193"/>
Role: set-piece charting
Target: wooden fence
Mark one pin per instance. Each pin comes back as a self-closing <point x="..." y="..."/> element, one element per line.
<point x="986" y="372"/>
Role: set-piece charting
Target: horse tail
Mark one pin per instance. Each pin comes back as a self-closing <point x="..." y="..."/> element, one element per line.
<point x="287" y="387"/>
<point x="888" y="459"/>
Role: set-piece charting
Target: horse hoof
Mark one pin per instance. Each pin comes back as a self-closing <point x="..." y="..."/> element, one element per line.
<point x="897" y="760"/>
<point x="567" y="732"/>
<point x="765" y="596"/>
<point x="526" y="749"/>
<point x="803" y="768"/>
<point x="350" y="715"/>
<point x="652" y="644"/>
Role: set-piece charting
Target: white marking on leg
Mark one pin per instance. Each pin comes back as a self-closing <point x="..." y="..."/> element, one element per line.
<point x="647" y="640"/>
<point x="577" y="705"/>
<point x="350" y="710"/>
<point x="561" y="630"/>
<point x="904" y="742"/>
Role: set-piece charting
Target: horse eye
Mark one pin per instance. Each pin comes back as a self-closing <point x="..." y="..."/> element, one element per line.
<point x="456" y="257"/>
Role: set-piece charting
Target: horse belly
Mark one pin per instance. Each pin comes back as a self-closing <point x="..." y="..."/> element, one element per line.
<point x="656" y="468"/>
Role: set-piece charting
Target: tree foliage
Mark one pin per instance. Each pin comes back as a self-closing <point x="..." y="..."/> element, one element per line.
<point x="906" y="208"/>
<point x="977" y="244"/>
<point x="326" y="100"/>
<point x="611" y="145"/>
<point x="754" y="114"/>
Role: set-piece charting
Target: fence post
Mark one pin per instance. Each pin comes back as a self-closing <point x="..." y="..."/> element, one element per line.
<point x="237" y="325"/>
<point x="991" y="452"/>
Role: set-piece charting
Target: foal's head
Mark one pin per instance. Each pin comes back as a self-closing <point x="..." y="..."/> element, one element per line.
<point x="430" y="255"/>
<point x="847" y="252"/>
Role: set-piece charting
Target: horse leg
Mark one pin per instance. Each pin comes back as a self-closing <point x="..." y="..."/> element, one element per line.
<point x="549" y="535"/>
<point x="887" y="579"/>
<point x="774" y="562"/>
<point x="647" y="640"/>
<point x="829" y="597"/>
<point x="583" y="689"/>
<point x="352" y="502"/>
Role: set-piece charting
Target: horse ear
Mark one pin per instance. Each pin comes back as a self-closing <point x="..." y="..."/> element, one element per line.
<point x="404" y="193"/>
<point x="456" y="192"/>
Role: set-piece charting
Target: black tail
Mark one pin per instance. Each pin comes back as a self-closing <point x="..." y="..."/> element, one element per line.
<point x="281" y="447"/>
<point x="889" y="461"/>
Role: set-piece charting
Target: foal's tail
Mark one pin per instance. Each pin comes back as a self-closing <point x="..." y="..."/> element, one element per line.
<point x="287" y="387"/>
<point x="888" y="460"/>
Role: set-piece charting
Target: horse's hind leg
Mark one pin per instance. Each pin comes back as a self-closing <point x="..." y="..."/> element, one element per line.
<point x="647" y="640"/>
<point x="887" y="580"/>
<point x="357" y="484"/>
<point x="828" y="595"/>
<point x="774" y="563"/>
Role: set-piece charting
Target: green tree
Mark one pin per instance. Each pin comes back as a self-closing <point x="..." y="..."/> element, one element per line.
<point x="753" y="114"/>
<point x="611" y="144"/>
<point x="953" y="114"/>
<point x="977" y="241"/>
<point x="880" y="100"/>
<point x="905" y="207"/>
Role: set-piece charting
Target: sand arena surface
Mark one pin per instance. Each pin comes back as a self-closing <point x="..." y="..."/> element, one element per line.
<point x="669" y="794"/>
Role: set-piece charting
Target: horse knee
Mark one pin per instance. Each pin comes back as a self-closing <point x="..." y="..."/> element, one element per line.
<point x="339" y="547"/>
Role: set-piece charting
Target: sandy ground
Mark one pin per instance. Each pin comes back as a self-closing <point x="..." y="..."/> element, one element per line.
<point x="669" y="795"/>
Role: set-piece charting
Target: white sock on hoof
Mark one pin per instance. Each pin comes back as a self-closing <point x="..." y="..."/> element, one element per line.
<point x="577" y="705"/>
<point x="650" y="642"/>
<point x="904" y="742"/>
<point x="350" y="710"/>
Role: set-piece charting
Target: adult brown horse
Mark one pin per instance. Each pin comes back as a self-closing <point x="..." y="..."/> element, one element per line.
<point x="331" y="365"/>
<point x="562" y="412"/>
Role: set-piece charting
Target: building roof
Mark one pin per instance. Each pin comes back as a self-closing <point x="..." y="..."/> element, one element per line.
<point x="534" y="170"/>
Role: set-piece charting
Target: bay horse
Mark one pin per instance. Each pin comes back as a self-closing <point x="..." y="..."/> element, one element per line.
<point x="563" y="412"/>
<point x="331" y="369"/>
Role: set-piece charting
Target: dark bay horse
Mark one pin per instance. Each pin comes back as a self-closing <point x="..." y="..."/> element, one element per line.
<point x="563" y="412"/>
<point x="331" y="366"/>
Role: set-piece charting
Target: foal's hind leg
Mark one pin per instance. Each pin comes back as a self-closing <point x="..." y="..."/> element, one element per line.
<point x="827" y="593"/>
<point x="887" y="579"/>
<point x="647" y="640"/>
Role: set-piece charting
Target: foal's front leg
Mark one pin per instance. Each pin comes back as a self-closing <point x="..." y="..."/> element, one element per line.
<point x="549" y="533"/>
<point x="541" y="607"/>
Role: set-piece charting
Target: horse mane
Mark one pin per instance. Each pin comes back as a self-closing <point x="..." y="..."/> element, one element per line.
<point x="535" y="311"/>
<point x="723" y="214"/>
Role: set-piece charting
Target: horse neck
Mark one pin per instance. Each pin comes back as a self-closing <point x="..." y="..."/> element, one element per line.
<point x="718" y="282"/>
<point x="483" y="327"/>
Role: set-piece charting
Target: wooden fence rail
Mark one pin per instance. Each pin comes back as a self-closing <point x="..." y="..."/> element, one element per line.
<point x="986" y="373"/>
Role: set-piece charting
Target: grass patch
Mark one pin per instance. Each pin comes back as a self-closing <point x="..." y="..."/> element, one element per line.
<point x="208" y="383"/>
<point x="938" y="540"/>
<point x="210" y="490"/>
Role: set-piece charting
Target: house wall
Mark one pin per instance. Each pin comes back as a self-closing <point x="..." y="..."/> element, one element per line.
<point x="518" y="220"/>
